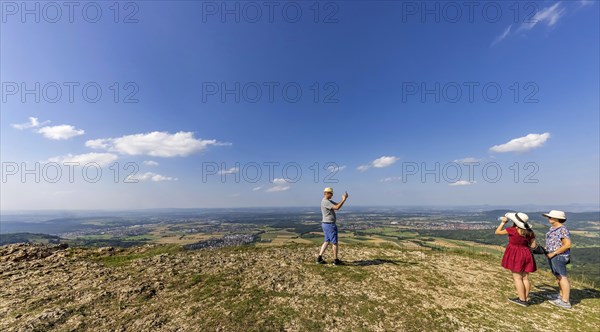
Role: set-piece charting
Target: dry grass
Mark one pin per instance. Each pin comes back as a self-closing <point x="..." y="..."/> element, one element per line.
<point x="281" y="288"/>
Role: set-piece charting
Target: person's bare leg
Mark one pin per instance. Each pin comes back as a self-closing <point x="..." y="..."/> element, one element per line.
<point x="323" y="248"/>
<point x="565" y="288"/>
<point x="526" y="283"/>
<point x="335" y="251"/>
<point x="560" y="292"/>
<point x="519" y="286"/>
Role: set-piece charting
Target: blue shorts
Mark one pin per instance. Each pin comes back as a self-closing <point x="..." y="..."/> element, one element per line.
<point x="330" y="231"/>
<point x="558" y="264"/>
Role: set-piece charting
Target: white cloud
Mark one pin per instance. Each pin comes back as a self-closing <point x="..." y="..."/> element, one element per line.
<point x="380" y="162"/>
<point x="549" y="16"/>
<point x="502" y="36"/>
<point x="279" y="184"/>
<point x="279" y="181"/>
<point x="156" y="144"/>
<point x="149" y="176"/>
<point x="467" y="160"/>
<point x="232" y="170"/>
<point x="100" y="143"/>
<point x="150" y="163"/>
<point x="52" y="132"/>
<point x="522" y="144"/>
<point x="384" y="161"/>
<point x="33" y="123"/>
<point x="462" y="183"/>
<point x="278" y="188"/>
<point x="333" y="168"/>
<point x="583" y="3"/>
<point x="391" y="178"/>
<point x="102" y="159"/>
<point x="60" y="132"/>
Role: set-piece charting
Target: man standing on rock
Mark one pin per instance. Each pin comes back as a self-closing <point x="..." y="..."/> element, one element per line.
<point x="328" y="208"/>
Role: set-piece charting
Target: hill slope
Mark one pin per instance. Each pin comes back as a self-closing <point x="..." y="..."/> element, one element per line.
<point x="162" y="288"/>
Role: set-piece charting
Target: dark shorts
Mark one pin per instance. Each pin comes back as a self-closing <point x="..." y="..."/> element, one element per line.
<point x="558" y="264"/>
<point x="331" y="232"/>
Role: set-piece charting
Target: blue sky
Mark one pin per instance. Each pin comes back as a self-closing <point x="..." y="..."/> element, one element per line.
<point x="363" y="59"/>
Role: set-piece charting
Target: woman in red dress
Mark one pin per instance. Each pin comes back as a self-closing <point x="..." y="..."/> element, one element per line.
<point x="517" y="256"/>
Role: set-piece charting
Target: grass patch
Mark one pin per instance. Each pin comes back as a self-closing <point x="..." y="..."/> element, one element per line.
<point x="143" y="237"/>
<point x="124" y="259"/>
<point x="336" y="274"/>
<point x="242" y="308"/>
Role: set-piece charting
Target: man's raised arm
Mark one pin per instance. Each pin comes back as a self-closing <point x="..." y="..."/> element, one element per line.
<point x="339" y="205"/>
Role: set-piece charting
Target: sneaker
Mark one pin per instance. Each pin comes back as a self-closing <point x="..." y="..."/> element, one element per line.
<point x="337" y="262"/>
<point x="320" y="260"/>
<point x="519" y="302"/>
<point x="553" y="296"/>
<point x="561" y="303"/>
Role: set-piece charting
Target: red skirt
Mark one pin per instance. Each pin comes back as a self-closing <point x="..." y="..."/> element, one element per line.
<point x="518" y="259"/>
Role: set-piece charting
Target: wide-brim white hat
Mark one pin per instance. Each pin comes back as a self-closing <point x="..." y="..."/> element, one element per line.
<point x="520" y="219"/>
<point x="556" y="214"/>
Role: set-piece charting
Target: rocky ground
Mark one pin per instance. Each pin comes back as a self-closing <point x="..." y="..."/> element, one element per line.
<point x="164" y="288"/>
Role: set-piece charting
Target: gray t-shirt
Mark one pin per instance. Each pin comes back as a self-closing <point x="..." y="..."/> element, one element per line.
<point x="327" y="210"/>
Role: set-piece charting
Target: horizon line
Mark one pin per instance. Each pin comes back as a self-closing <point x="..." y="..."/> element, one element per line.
<point x="591" y="206"/>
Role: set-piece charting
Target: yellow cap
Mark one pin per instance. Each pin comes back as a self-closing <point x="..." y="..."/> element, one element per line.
<point x="328" y="190"/>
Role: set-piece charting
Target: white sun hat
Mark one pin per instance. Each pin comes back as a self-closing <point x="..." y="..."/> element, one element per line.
<point x="520" y="219"/>
<point x="328" y="190"/>
<point x="556" y="214"/>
